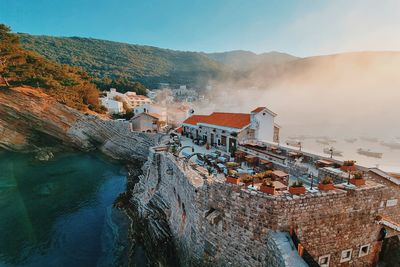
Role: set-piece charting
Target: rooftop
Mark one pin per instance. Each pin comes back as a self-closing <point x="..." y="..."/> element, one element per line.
<point x="224" y="119"/>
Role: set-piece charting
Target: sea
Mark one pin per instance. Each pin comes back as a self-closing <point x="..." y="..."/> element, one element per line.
<point x="60" y="213"/>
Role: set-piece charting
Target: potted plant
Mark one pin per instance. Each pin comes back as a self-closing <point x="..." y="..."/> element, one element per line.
<point x="232" y="178"/>
<point x="349" y="166"/>
<point x="326" y="184"/>
<point x="297" y="188"/>
<point x="267" y="187"/>
<point x="247" y="180"/>
<point x="358" y="179"/>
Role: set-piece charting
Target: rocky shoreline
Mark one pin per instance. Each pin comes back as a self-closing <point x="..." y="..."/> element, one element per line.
<point x="149" y="228"/>
<point x="32" y="121"/>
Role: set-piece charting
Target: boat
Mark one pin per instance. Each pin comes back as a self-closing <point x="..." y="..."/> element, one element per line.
<point x="350" y="140"/>
<point x="370" y="139"/>
<point x="298" y="137"/>
<point x="328" y="139"/>
<point x="332" y="151"/>
<point x="323" y="142"/>
<point x="391" y="145"/>
<point x="294" y="143"/>
<point x="369" y="153"/>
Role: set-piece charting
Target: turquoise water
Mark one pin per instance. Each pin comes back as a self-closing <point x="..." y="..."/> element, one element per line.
<point x="59" y="213"/>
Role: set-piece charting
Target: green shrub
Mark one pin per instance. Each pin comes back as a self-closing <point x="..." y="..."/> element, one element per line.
<point x="327" y="180"/>
<point x="297" y="184"/>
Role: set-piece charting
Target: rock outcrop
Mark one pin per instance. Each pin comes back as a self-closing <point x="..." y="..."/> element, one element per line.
<point x="31" y="120"/>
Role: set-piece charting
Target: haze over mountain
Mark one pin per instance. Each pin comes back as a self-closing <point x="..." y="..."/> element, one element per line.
<point x="246" y="60"/>
<point x="148" y="64"/>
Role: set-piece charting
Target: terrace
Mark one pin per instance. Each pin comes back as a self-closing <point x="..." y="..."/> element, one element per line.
<point x="268" y="169"/>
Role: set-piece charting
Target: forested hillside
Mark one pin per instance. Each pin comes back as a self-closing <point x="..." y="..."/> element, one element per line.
<point x="69" y="85"/>
<point x="107" y="59"/>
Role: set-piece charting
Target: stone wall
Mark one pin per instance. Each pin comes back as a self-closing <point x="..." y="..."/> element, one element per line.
<point x="216" y="223"/>
<point x="390" y="199"/>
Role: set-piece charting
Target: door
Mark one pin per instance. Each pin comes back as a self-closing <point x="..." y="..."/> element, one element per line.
<point x="212" y="139"/>
<point x="232" y="145"/>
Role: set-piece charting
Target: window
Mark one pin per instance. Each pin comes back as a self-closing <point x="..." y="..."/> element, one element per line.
<point x="346" y="255"/>
<point x="323" y="261"/>
<point x="364" y="250"/>
<point x="223" y="140"/>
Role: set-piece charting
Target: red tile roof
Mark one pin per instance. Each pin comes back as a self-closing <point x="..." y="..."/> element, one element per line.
<point x="259" y="109"/>
<point x="154" y="115"/>
<point x="193" y="120"/>
<point x="231" y="120"/>
<point x="179" y="129"/>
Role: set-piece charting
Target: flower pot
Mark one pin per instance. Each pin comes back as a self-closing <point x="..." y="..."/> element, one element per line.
<point x="247" y="183"/>
<point x="232" y="180"/>
<point x="357" y="182"/>
<point x="297" y="190"/>
<point x="352" y="168"/>
<point x="267" y="189"/>
<point x="326" y="187"/>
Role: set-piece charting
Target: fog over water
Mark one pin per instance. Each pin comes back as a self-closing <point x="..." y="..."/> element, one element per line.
<point x="341" y="96"/>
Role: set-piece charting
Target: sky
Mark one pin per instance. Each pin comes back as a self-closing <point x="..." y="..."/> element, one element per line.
<point x="301" y="28"/>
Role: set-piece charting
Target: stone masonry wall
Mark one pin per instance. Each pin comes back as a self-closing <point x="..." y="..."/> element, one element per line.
<point x="222" y="224"/>
<point x="390" y="199"/>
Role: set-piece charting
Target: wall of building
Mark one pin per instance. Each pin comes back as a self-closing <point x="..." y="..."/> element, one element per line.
<point x="390" y="199"/>
<point x="218" y="135"/>
<point x="265" y="129"/>
<point x="144" y="123"/>
<point x="113" y="107"/>
<point x="149" y="108"/>
<point x="215" y="222"/>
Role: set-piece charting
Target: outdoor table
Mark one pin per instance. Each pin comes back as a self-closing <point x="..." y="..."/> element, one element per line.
<point x="220" y="165"/>
<point x="250" y="171"/>
<point x="240" y="170"/>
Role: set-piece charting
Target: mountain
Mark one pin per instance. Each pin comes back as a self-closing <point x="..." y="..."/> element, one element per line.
<point x="147" y="64"/>
<point x="245" y="60"/>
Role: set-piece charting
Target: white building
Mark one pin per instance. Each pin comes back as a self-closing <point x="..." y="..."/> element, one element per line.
<point x="262" y="122"/>
<point x="113" y="93"/>
<point x="135" y="100"/>
<point x="147" y="122"/>
<point x="131" y="98"/>
<point x="152" y="108"/>
<point x="151" y="94"/>
<point x="183" y="93"/>
<point x="225" y="130"/>
<point x="113" y="107"/>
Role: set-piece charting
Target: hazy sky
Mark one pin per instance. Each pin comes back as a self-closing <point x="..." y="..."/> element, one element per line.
<point x="301" y="28"/>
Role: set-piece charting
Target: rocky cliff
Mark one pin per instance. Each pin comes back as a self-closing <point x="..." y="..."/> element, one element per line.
<point x="31" y="121"/>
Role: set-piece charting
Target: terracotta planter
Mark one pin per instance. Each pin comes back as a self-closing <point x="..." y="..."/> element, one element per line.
<point x="267" y="189"/>
<point x="297" y="190"/>
<point x="352" y="168"/>
<point x="232" y="180"/>
<point x="357" y="182"/>
<point x="326" y="187"/>
<point x="248" y="183"/>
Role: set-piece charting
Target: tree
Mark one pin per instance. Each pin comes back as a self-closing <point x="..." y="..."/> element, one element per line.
<point x="7" y="43"/>
<point x="69" y="85"/>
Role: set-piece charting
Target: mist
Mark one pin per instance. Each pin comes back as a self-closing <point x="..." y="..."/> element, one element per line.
<point x="339" y="96"/>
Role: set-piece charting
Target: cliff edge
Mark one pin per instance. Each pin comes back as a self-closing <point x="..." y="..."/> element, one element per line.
<point x="31" y="120"/>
